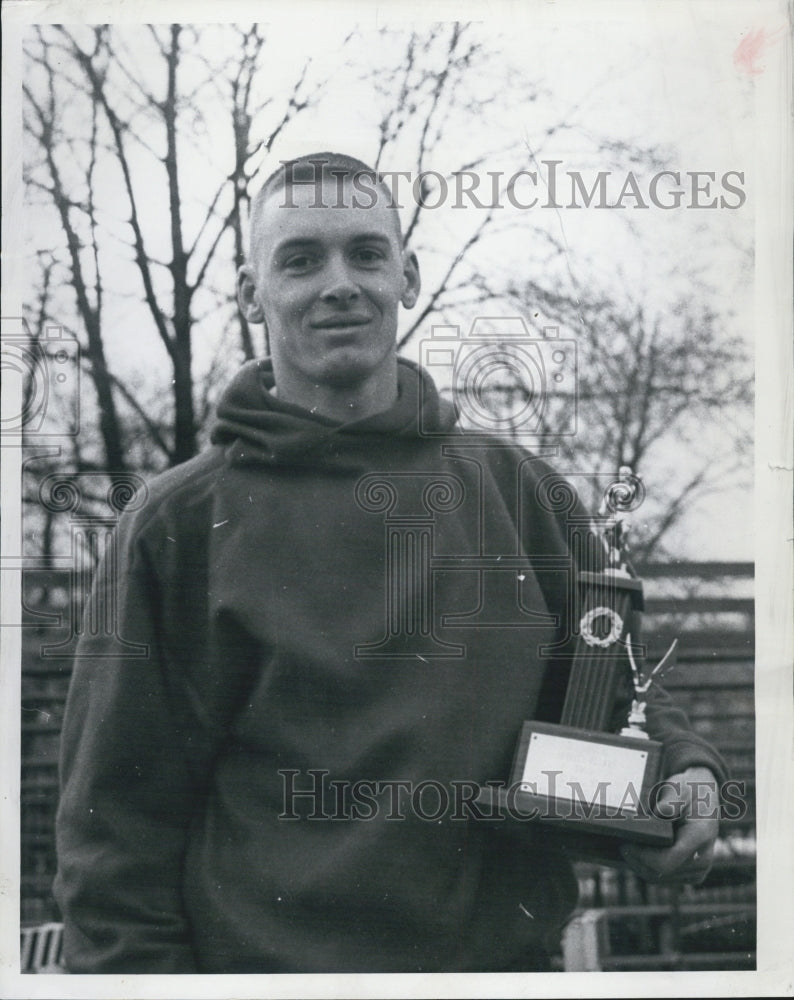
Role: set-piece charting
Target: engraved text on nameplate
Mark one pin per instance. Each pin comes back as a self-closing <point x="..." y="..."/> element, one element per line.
<point x="563" y="767"/>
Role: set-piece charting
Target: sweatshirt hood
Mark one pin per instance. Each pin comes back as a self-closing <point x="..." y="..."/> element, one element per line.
<point x="256" y="427"/>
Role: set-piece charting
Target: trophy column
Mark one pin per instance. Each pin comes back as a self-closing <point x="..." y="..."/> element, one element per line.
<point x="605" y="602"/>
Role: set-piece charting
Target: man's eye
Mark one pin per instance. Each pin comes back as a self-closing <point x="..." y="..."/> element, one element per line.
<point x="368" y="255"/>
<point x="300" y="262"/>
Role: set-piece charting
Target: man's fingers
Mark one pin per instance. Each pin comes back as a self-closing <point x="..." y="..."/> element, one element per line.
<point x="655" y="869"/>
<point x="700" y="867"/>
<point x="691" y="800"/>
<point x="688" y="859"/>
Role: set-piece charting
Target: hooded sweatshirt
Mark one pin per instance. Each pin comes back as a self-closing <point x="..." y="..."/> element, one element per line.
<point x="325" y="657"/>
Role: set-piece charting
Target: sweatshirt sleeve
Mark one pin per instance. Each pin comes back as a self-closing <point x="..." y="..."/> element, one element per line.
<point x="683" y="747"/>
<point x="128" y="790"/>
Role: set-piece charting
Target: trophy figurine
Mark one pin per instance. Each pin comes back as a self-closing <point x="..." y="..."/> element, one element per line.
<point x="592" y="783"/>
<point x="636" y="720"/>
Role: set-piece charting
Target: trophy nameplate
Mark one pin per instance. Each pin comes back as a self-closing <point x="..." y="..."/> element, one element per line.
<point x="594" y="787"/>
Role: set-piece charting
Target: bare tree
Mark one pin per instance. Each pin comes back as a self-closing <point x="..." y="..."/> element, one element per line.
<point x="42" y="123"/>
<point x="425" y="91"/>
<point x="114" y="123"/>
<point x="438" y="82"/>
<point x="137" y="117"/>
<point x="647" y="380"/>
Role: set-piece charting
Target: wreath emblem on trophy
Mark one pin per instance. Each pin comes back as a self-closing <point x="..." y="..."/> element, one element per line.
<point x="593" y="615"/>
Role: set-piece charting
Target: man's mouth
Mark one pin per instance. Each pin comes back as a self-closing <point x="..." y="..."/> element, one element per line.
<point x="341" y="321"/>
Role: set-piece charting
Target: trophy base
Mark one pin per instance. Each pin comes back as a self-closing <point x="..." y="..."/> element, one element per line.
<point x="586" y="840"/>
<point x="595" y="787"/>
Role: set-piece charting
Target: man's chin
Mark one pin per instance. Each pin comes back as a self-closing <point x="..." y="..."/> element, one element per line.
<point x="348" y="372"/>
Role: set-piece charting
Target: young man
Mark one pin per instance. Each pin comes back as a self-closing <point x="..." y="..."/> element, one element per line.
<point x="265" y="791"/>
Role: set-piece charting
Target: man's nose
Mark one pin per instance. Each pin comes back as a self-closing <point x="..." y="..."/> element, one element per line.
<point x="340" y="284"/>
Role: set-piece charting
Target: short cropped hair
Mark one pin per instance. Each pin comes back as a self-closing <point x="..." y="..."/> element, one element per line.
<point x="315" y="168"/>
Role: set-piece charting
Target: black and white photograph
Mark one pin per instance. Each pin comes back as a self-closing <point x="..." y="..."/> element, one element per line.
<point x="397" y="499"/>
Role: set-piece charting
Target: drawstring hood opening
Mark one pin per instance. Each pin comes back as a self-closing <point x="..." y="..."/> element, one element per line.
<point x="257" y="427"/>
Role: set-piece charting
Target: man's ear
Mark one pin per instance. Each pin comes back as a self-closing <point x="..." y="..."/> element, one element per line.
<point x="247" y="296"/>
<point x="412" y="282"/>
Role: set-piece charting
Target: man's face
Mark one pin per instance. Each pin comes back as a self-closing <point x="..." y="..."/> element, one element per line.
<point x="328" y="282"/>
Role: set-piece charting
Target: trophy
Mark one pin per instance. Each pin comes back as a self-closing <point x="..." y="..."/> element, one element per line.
<point x="594" y="786"/>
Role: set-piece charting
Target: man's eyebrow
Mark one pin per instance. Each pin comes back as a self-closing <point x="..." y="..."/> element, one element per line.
<point x="300" y="242"/>
<point x="297" y="242"/>
<point x="370" y="238"/>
